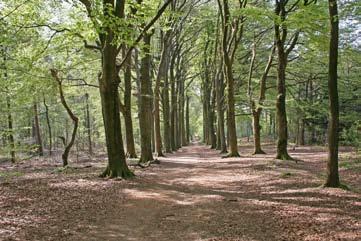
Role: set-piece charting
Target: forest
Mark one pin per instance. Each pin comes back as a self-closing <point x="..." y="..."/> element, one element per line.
<point x="181" y="120"/>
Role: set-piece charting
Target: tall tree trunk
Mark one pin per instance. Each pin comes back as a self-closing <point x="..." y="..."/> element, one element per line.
<point x="270" y="124"/>
<point x="38" y="139"/>
<point x="206" y="94"/>
<point x="173" y="106"/>
<point x="160" y="76"/>
<point x="87" y="123"/>
<point x="301" y="120"/>
<point x="282" y="131"/>
<point x="233" y="148"/>
<point x="66" y="131"/>
<point x="257" y="110"/>
<point x="9" y="115"/>
<point x="179" y="121"/>
<point x="205" y="115"/>
<point x="10" y="130"/>
<point x="257" y="131"/>
<point x="228" y="61"/>
<point x="282" y="53"/>
<point x="254" y="108"/>
<point x="152" y="126"/>
<point x="310" y="97"/>
<point x="182" y="116"/>
<point x="187" y="120"/>
<point x="218" y="144"/>
<point x="108" y="86"/>
<point x="49" y="127"/>
<point x="301" y="133"/>
<point x="220" y="112"/>
<point x="166" y="117"/>
<point x="145" y="104"/>
<point x="333" y="179"/>
<point x="178" y="104"/>
<point x="179" y="117"/>
<point x="127" y="110"/>
<point x="212" y="134"/>
<point x="176" y="117"/>
<point x="117" y="166"/>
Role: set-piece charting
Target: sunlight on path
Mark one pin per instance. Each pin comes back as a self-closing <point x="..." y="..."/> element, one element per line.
<point x="193" y="194"/>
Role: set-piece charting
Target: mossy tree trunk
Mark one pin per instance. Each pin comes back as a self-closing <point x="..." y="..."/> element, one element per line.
<point x="108" y="86"/>
<point x="282" y="53"/>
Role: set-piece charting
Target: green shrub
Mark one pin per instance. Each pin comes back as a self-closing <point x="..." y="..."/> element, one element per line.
<point x="352" y="136"/>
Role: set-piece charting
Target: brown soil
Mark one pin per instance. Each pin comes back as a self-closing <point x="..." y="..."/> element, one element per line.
<point x="193" y="194"/>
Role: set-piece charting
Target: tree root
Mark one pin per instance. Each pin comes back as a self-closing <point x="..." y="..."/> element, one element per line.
<point x="336" y="185"/>
<point x="129" y="155"/>
<point x="285" y="157"/>
<point x="236" y="154"/>
<point x="148" y="163"/>
<point x="119" y="173"/>
<point x="160" y="154"/>
<point x="258" y="152"/>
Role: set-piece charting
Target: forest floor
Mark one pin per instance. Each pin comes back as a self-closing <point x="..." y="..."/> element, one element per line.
<point x="193" y="194"/>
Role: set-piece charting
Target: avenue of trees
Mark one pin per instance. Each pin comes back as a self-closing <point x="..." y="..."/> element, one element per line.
<point x="139" y="79"/>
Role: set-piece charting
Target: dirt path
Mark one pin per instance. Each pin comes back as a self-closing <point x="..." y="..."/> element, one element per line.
<point x="192" y="195"/>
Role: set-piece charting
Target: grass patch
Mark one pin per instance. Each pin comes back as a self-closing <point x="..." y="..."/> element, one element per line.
<point x="345" y="187"/>
<point x="65" y="170"/>
<point x="286" y="174"/>
<point x="10" y="174"/>
<point x="351" y="164"/>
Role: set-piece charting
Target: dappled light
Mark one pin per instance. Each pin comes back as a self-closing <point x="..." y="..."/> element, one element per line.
<point x="187" y="196"/>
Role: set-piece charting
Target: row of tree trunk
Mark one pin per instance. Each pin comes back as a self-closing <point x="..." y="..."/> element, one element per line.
<point x="212" y="85"/>
<point x="169" y="92"/>
<point x="218" y="87"/>
<point x="150" y="97"/>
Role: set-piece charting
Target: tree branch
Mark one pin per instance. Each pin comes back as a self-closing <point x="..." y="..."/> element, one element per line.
<point x="146" y="28"/>
<point x="293" y="42"/>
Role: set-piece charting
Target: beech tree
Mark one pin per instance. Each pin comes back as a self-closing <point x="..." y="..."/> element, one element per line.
<point x="230" y="40"/>
<point x="332" y="163"/>
<point x="218" y="71"/>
